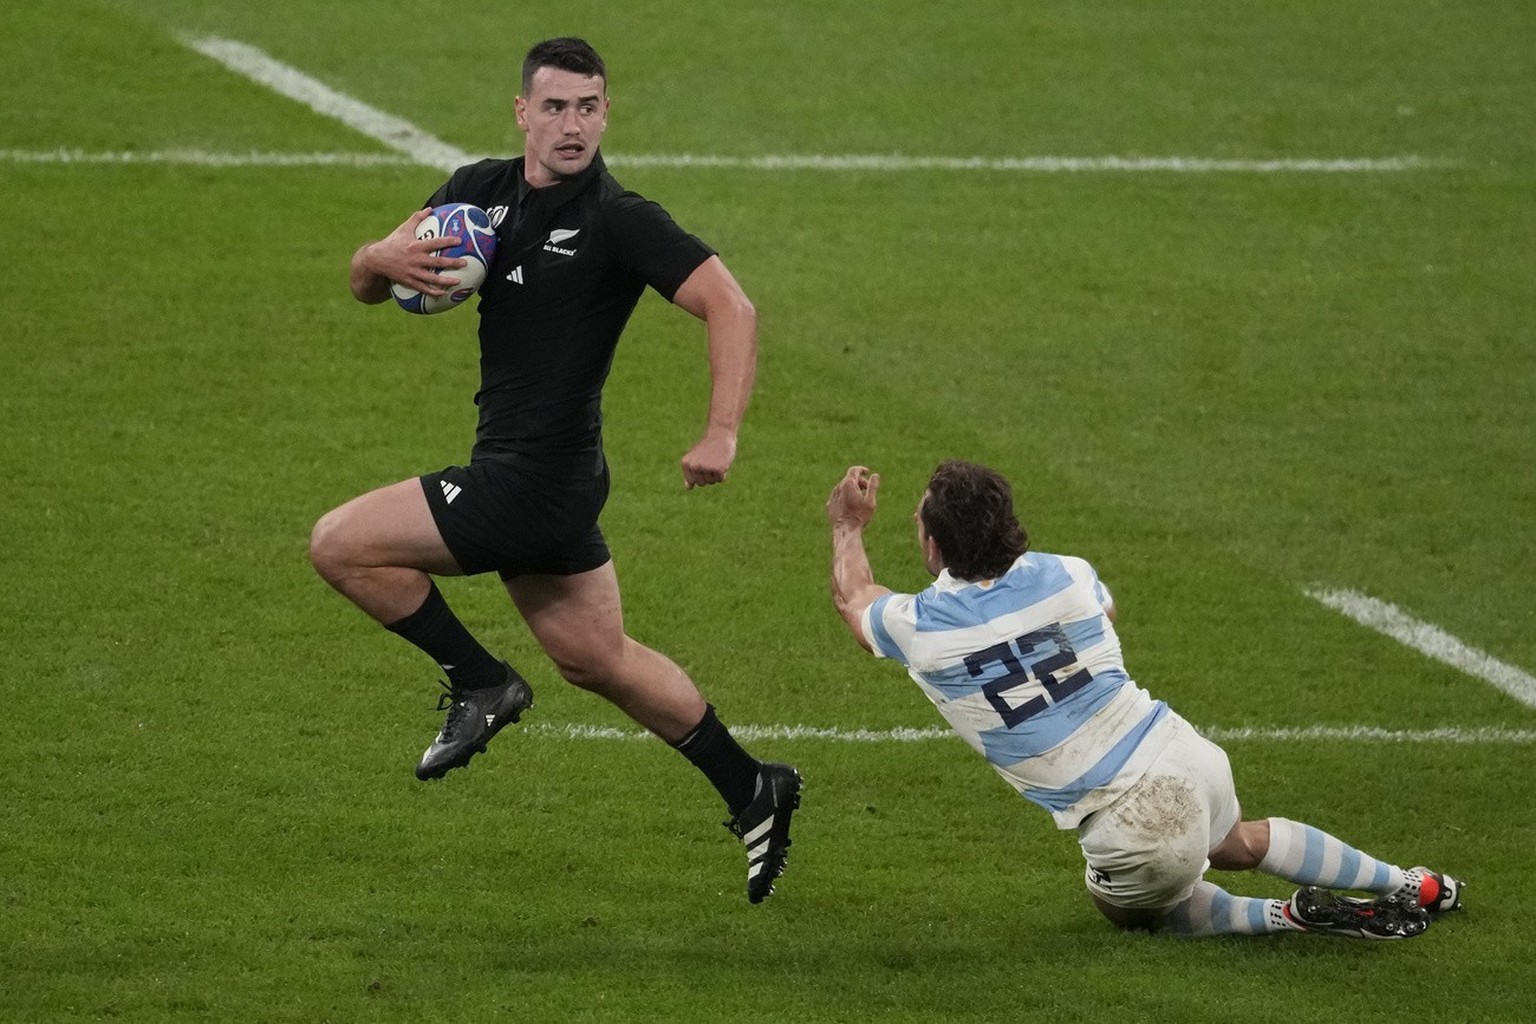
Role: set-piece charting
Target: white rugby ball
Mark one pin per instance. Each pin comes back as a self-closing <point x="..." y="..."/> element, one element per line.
<point x="477" y="247"/>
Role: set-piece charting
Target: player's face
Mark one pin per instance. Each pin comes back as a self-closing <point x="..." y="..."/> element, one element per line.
<point x="563" y="116"/>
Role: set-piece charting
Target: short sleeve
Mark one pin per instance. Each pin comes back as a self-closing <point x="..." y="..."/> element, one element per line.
<point x="1101" y="593"/>
<point x="648" y="242"/>
<point x="889" y="625"/>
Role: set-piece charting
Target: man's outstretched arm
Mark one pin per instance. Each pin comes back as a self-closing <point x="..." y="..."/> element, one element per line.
<point x="849" y="511"/>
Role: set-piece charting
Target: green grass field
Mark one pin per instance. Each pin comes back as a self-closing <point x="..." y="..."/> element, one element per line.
<point x="1221" y="388"/>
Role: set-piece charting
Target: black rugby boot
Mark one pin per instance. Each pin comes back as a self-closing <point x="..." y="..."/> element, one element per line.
<point x="1318" y="910"/>
<point x="474" y="716"/>
<point x="763" y="825"/>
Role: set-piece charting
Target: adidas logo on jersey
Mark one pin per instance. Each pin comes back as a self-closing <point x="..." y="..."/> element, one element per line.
<point x="451" y="491"/>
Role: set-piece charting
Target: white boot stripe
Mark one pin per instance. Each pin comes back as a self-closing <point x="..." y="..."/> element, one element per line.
<point x="755" y="834"/>
<point x="757" y="851"/>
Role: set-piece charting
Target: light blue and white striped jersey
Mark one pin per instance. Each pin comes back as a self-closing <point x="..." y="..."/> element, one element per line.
<point x="1027" y="668"/>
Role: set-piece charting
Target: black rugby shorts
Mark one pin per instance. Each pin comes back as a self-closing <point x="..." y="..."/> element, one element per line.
<point x="512" y="516"/>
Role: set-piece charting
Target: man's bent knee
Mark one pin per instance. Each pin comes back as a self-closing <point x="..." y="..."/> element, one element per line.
<point x="1243" y="848"/>
<point x="337" y="548"/>
<point x="327" y="546"/>
<point x="589" y="669"/>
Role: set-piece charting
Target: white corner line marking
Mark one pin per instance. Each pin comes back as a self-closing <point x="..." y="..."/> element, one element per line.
<point x="1430" y="640"/>
<point x="397" y="134"/>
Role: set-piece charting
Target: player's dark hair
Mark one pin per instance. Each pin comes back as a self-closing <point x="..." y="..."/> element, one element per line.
<point x="969" y="512"/>
<point x="566" y="53"/>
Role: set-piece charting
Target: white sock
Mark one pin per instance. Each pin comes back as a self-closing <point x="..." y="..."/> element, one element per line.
<point x="1309" y="856"/>
<point x="1413" y="880"/>
<point x="1211" y="910"/>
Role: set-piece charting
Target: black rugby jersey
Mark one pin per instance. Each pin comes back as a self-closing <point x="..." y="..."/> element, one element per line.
<point x="572" y="260"/>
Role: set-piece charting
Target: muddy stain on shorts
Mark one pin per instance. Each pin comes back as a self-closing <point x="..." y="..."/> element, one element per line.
<point x="1160" y="807"/>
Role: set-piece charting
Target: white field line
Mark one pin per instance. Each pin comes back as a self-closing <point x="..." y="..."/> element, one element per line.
<point x="811" y="162"/>
<point x="203" y="158"/>
<point x="428" y="150"/>
<point x="1315" y="733"/>
<point x="1037" y="164"/>
<point x="1430" y="640"/>
<point x="1374" y="734"/>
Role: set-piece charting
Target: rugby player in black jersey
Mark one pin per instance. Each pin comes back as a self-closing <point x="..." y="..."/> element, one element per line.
<point x="574" y="253"/>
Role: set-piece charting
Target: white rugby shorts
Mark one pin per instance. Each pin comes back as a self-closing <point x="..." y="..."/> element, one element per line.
<point x="1147" y="850"/>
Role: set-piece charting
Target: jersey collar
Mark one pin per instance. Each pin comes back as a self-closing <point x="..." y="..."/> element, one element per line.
<point x="553" y="195"/>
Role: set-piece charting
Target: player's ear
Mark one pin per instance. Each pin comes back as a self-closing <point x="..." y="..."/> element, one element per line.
<point x="520" y="112"/>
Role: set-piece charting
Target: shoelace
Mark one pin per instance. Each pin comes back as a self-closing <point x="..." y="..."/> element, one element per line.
<point x="458" y="711"/>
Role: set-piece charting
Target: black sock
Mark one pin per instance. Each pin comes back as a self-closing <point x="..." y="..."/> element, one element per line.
<point x="435" y="629"/>
<point x="714" y="751"/>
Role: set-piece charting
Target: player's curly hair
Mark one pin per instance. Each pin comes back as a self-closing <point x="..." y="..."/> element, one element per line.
<point x="969" y="511"/>
<point x="566" y="53"/>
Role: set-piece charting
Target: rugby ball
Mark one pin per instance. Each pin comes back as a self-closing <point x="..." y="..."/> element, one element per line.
<point x="477" y="247"/>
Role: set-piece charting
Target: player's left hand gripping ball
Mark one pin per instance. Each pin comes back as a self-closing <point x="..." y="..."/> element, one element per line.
<point x="477" y="247"/>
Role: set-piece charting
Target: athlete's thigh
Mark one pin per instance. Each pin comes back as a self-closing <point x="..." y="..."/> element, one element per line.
<point x="575" y="618"/>
<point x="1150" y="847"/>
<point x="1210" y="762"/>
<point x="1147" y="849"/>
<point x="390" y="526"/>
